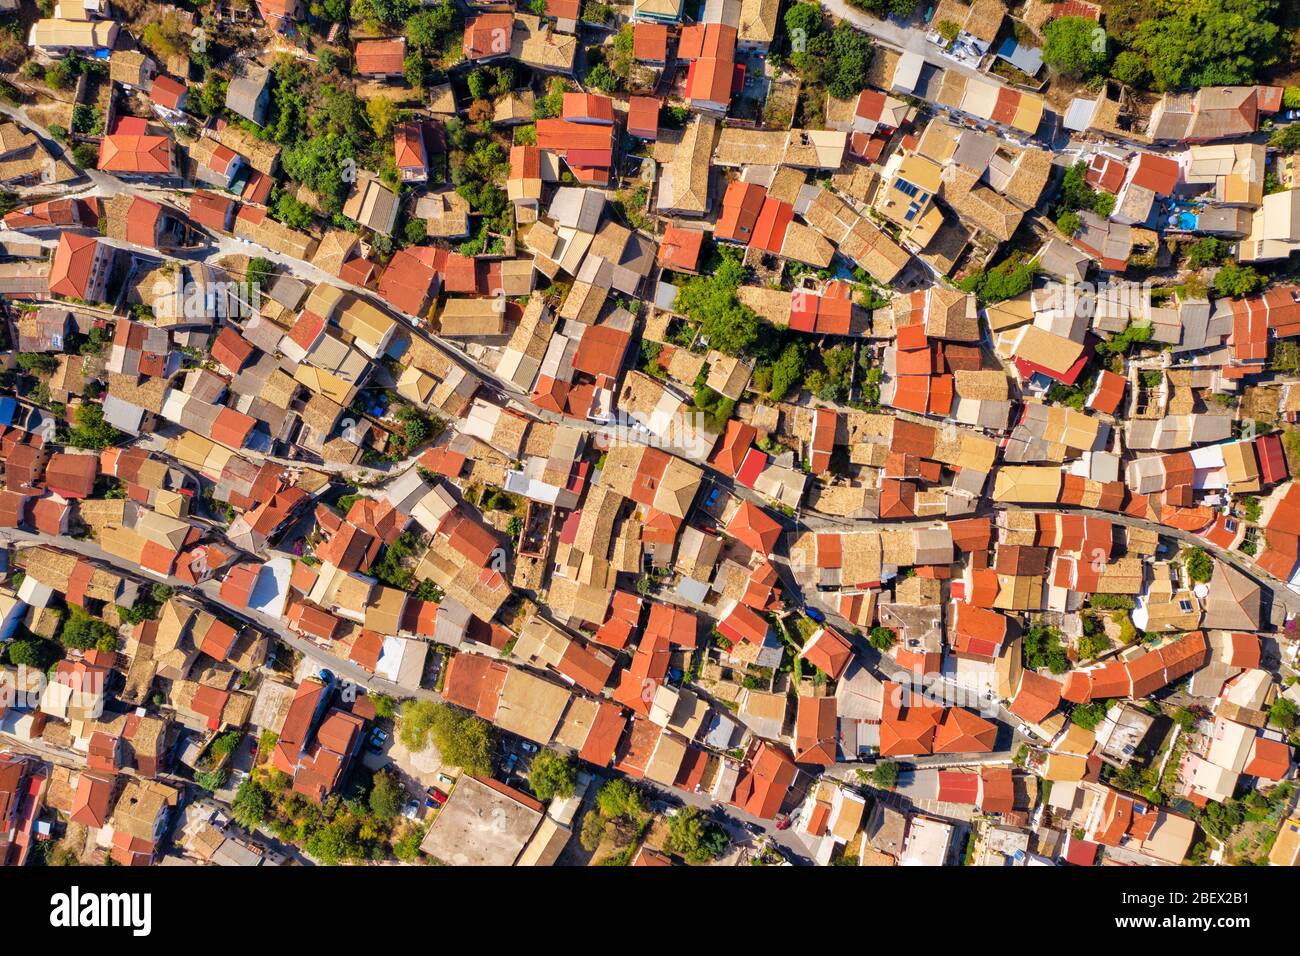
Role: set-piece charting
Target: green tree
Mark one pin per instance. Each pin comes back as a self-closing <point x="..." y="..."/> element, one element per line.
<point x="881" y="638"/>
<point x="602" y="78"/>
<point x="552" y="775"/>
<point x="428" y="29"/>
<point x="1193" y="43"/>
<point x="1075" y="46"/>
<point x="1236" y="280"/>
<point x="1091" y="714"/>
<point x="619" y="797"/>
<point x="593" y="831"/>
<point x="31" y="652"/>
<point x="1042" y="647"/>
<point x="787" y="371"/>
<point x="251" y="804"/>
<point x="385" y="706"/>
<point x="386" y="796"/>
<point x="82" y="631"/>
<point x="1283" y="714"/>
<point x="1207" y="251"/>
<point x="885" y="774"/>
<point x="1286" y="139"/>
<point x="1200" y="566"/>
<point x="711" y="300"/>
<point x="463" y="740"/>
<point x="851" y="52"/>
<point x="1130" y="69"/>
<point x="259" y="272"/>
<point x="1068" y="223"/>
<point x="692" y="834"/>
<point x="407" y="847"/>
<point x="802" y="21"/>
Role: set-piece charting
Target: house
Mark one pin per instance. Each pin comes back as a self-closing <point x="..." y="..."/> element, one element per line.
<point x="57" y="38"/>
<point x="409" y="153"/>
<point x="650" y="44"/>
<point x="136" y="154"/>
<point x="380" y="59"/>
<point x="1211" y="113"/>
<point x="80" y="267"/>
<point x="711" y="77"/>
<point x="757" y="27"/>
<point x="249" y="93"/>
<point x="372" y="204"/>
<point x="643" y="116"/>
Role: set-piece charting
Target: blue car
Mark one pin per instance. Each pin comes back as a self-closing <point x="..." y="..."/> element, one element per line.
<point x="815" y="614"/>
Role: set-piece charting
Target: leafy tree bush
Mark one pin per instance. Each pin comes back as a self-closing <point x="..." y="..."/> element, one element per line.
<point x="592" y="832"/>
<point x="552" y="775"/>
<point x="386" y="796"/>
<point x="1068" y="223"/>
<point x="1042" y="648"/>
<point x="1283" y="714"/>
<point x="428" y="29"/>
<point x="885" y="774"/>
<point x="1091" y="714"/>
<point x="850" y="58"/>
<point x="1200" y="566"/>
<point x="1006" y="280"/>
<point x="251" y="804"/>
<point x="1130" y="69"/>
<point x="1192" y="43"/>
<point x="1206" y="252"/>
<point x="1236" y="280"/>
<point x="82" y="631"/>
<point x="31" y="652"/>
<point x="1286" y="139"/>
<point x="1075" y="46"/>
<point x="697" y="838"/>
<point x="882" y="638"/>
<point x="618" y="797"/>
<point x="464" y="740"/>
<point x="787" y="372"/>
<point x="711" y="300"/>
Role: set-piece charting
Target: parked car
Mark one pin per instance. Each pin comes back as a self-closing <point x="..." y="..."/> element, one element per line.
<point x="528" y="747"/>
<point x="815" y="614"/>
<point x="435" y="798"/>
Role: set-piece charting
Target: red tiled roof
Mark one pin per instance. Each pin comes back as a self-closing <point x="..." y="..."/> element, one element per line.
<point x="1157" y="173"/>
<point x="231" y="349"/>
<point x="71" y="266"/>
<point x="650" y="42"/>
<point x="773" y="221"/>
<point x="72" y="476"/>
<point x="488" y="35"/>
<point x="167" y="92"/>
<point x="378" y="57"/>
<point x="643" y="116"/>
<point x="1269" y="759"/>
<point x="680" y="248"/>
<point x="1037" y="697"/>
<point x="210" y="210"/>
<point x="588" y="106"/>
<point x="754" y="527"/>
<point x="741" y="205"/>
<point x="142" y="222"/>
<point x="829" y="652"/>
<point x="130" y="153"/>
<point x="762" y="785"/>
